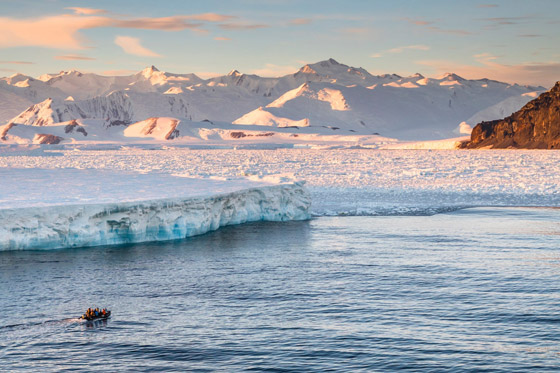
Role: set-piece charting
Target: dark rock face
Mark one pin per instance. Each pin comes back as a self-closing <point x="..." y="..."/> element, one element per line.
<point x="535" y="126"/>
<point x="42" y="138"/>
<point x="73" y="125"/>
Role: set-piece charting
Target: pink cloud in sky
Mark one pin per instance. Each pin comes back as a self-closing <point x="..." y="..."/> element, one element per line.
<point x="420" y="47"/>
<point x="241" y="26"/>
<point x="62" y="31"/>
<point x="300" y="21"/>
<point x="58" y="32"/>
<point x="86" y="11"/>
<point x="175" y="23"/>
<point x="211" y="17"/>
<point x="17" y="62"/>
<point x="132" y="46"/>
<point x="74" y="57"/>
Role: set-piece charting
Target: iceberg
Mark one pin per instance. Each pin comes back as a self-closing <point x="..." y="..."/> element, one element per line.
<point x="81" y="225"/>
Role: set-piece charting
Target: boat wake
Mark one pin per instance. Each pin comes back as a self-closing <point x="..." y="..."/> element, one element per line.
<point x="41" y="323"/>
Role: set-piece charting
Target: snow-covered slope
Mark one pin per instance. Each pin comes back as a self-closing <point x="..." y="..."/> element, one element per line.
<point x="325" y="94"/>
<point x="116" y="108"/>
<point x="156" y="128"/>
<point x="406" y="108"/>
<point x="503" y="109"/>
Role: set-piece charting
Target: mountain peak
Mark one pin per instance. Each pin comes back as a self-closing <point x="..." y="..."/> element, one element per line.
<point x="70" y="72"/>
<point x="451" y="76"/>
<point x="307" y="70"/>
<point x="149" y="71"/>
<point x="328" y="63"/>
<point x="234" y="73"/>
<point x="18" y="78"/>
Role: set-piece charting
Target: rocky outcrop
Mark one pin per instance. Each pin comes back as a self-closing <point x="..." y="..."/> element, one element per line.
<point x="44" y="138"/>
<point x="535" y="126"/>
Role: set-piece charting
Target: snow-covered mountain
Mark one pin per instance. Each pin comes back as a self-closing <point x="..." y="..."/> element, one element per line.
<point x="325" y="95"/>
<point x="116" y="108"/>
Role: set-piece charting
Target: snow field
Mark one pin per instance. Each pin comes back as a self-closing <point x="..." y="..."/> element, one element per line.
<point x="349" y="181"/>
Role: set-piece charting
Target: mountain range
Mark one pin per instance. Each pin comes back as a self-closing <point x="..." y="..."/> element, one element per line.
<point x="326" y="98"/>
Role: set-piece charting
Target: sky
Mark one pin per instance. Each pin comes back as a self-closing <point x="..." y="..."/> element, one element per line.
<point x="515" y="41"/>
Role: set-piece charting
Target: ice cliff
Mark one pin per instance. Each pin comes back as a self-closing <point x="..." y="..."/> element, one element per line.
<point x="63" y="226"/>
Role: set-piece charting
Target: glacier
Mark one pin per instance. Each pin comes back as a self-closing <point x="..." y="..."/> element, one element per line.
<point x="82" y="225"/>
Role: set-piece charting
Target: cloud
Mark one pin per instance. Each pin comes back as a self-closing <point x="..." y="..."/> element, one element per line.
<point x="16" y="63"/>
<point x="73" y="57"/>
<point x="86" y="11"/>
<point x="300" y="21"/>
<point x="530" y="73"/>
<point x="210" y="17"/>
<point x="485" y="57"/>
<point x="175" y="23"/>
<point x="132" y="46"/>
<point x="487" y="6"/>
<point x="58" y="32"/>
<point x="241" y="26"/>
<point x="419" y="22"/>
<point x="419" y="47"/>
<point x="430" y="26"/>
<point x="498" y="22"/>
<point x="222" y="38"/>
<point x="272" y="70"/>
<point x="63" y="31"/>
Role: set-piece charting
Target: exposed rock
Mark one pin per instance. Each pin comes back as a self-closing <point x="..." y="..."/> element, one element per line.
<point x="237" y="134"/>
<point x="43" y="138"/>
<point x="74" y="125"/>
<point x="534" y="126"/>
<point x="240" y="134"/>
<point x="4" y="130"/>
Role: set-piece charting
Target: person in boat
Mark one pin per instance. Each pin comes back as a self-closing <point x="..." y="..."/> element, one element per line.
<point x="95" y="313"/>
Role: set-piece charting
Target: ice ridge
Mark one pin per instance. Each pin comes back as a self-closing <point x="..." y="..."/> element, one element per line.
<point x="55" y="227"/>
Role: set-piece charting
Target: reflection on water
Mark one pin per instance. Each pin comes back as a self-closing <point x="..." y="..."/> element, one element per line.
<point x="474" y="289"/>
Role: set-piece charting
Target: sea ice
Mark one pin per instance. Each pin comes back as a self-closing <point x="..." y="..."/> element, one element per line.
<point x="46" y="209"/>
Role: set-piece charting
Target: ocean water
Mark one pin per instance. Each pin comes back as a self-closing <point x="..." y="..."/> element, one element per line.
<point x="468" y="290"/>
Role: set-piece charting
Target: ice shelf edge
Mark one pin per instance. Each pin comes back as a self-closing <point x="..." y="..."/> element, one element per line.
<point x="56" y="227"/>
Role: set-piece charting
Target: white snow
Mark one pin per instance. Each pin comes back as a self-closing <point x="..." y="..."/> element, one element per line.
<point x="157" y="128"/>
<point x="45" y="209"/>
<point x="446" y="144"/>
<point x="341" y="181"/>
<point x="502" y="109"/>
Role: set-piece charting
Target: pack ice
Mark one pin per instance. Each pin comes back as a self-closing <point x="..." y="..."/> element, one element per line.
<point x="98" y="207"/>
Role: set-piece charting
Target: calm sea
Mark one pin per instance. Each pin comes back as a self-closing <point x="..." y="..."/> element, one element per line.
<point x="470" y="290"/>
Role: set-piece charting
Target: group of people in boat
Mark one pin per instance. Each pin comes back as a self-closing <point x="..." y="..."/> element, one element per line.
<point x="95" y="313"/>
